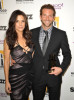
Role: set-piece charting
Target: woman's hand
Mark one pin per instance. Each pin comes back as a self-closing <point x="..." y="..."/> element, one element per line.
<point x="8" y="88"/>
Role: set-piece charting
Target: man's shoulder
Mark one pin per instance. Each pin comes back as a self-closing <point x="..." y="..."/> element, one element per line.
<point x="35" y="29"/>
<point x="58" y="30"/>
<point x="59" y="33"/>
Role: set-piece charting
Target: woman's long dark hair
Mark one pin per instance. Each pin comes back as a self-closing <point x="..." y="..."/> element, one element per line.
<point x="11" y="34"/>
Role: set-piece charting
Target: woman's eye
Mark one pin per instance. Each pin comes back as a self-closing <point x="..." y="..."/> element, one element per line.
<point x="23" y="21"/>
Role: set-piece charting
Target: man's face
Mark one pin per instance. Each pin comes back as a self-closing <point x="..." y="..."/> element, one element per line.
<point x="47" y="18"/>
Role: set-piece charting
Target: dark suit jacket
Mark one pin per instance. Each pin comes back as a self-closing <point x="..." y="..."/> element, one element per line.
<point x="58" y="40"/>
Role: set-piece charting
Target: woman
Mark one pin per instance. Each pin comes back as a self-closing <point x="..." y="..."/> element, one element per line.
<point x="19" y="47"/>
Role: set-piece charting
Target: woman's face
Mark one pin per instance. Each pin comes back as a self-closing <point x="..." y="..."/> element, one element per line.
<point x="20" y="23"/>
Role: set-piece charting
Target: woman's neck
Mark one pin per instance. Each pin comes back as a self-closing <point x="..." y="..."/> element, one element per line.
<point x="20" y="35"/>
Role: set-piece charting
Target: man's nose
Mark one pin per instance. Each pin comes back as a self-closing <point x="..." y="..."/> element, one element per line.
<point x="47" y="17"/>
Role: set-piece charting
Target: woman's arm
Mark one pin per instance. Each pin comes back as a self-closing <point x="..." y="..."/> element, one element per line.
<point x="32" y="54"/>
<point x="6" y="66"/>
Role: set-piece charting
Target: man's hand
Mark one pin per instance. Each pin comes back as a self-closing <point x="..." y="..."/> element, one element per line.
<point x="56" y="70"/>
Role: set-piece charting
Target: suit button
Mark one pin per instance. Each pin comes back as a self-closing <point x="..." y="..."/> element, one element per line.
<point x="43" y="67"/>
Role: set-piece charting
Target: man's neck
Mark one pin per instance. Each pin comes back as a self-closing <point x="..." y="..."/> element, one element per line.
<point x="46" y="28"/>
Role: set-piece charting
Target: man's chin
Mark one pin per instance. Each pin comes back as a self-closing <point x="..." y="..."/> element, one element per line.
<point x="47" y="26"/>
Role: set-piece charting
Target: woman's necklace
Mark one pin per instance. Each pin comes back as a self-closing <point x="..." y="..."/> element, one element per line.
<point x="25" y="47"/>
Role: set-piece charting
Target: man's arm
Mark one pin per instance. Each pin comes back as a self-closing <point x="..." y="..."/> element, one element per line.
<point x="66" y="53"/>
<point x="66" y="56"/>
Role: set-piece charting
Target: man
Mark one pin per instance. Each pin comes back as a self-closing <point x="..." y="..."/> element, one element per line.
<point x="56" y="39"/>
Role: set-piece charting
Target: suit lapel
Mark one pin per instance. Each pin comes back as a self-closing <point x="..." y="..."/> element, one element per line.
<point x="38" y="48"/>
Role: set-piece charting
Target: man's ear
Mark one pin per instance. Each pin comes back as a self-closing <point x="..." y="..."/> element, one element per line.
<point x="54" y="18"/>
